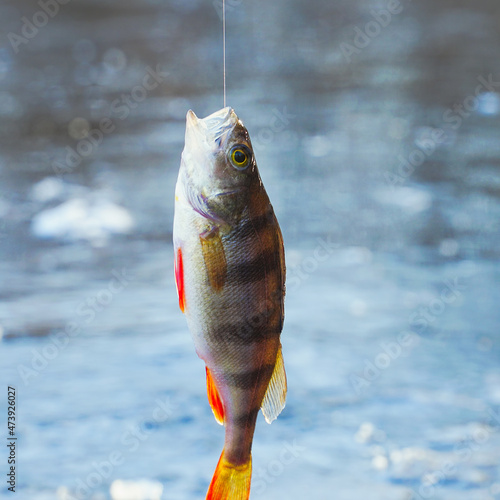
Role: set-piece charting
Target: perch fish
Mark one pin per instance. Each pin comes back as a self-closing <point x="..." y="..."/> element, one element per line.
<point x="230" y="277"/>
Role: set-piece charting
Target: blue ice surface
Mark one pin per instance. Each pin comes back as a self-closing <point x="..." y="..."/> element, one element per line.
<point x="391" y="338"/>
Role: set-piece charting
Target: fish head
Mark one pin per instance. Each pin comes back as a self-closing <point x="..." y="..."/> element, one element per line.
<point x="218" y="166"/>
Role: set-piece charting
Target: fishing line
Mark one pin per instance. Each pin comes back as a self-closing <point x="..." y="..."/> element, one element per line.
<point x="224" y="47"/>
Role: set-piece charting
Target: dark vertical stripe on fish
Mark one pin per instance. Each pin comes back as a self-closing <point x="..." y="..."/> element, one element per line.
<point x="243" y="419"/>
<point x="256" y="224"/>
<point x="256" y="329"/>
<point x="250" y="379"/>
<point x="254" y="270"/>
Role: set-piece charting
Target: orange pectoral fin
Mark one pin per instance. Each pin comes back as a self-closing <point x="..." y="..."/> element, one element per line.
<point x="179" y="279"/>
<point x="214" y="399"/>
<point x="215" y="259"/>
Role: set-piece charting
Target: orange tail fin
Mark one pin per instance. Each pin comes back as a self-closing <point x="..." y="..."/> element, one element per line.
<point x="230" y="482"/>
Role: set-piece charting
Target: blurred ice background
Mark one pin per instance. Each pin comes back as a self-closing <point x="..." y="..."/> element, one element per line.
<point x="376" y="126"/>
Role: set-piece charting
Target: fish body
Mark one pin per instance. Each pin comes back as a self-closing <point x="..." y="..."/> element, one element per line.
<point x="230" y="276"/>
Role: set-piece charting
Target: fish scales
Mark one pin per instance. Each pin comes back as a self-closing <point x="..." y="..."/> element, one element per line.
<point x="230" y="275"/>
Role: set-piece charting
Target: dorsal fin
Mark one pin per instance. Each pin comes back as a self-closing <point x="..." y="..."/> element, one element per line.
<point x="275" y="397"/>
<point x="214" y="398"/>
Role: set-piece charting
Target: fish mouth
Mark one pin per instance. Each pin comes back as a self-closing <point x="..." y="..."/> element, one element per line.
<point x="211" y="129"/>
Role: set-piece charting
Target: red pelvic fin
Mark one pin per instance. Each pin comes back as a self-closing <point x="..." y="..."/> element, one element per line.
<point x="179" y="279"/>
<point x="214" y="398"/>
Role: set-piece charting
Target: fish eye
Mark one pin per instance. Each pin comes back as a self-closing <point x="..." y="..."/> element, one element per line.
<point x="240" y="157"/>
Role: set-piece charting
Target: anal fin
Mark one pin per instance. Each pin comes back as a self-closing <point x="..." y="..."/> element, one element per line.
<point x="214" y="398"/>
<point x="275" y="397"/>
